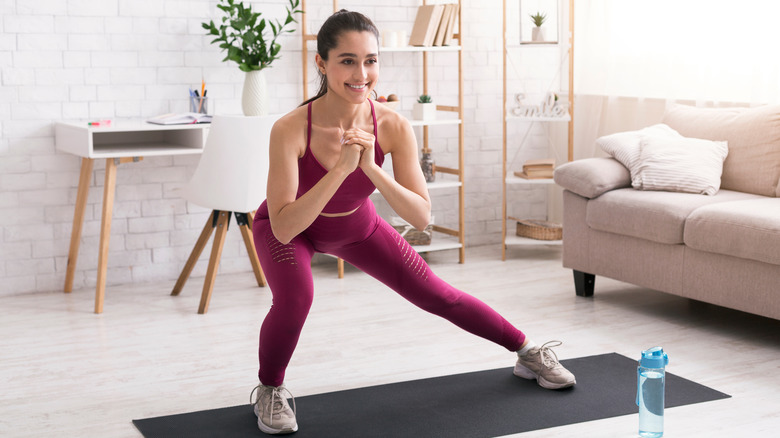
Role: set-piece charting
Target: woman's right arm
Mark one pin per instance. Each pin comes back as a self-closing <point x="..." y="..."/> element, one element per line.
<point x="290" y="216"/>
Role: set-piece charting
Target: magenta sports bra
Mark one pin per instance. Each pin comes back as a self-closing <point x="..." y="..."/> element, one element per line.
<point x="353" y="191"/>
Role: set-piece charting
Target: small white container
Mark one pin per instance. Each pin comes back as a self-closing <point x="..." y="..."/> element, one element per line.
<point x="424" y="111"/>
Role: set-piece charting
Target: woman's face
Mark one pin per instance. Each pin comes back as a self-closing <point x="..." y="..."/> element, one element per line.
<point x="352" y="68"/>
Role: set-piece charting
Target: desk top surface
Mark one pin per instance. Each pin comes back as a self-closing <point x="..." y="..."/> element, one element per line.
<point x="129" y="125"/>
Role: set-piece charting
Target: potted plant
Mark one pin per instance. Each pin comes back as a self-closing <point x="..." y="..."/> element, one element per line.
<point x="424" y="108"/>
<point x="537" y="33"/>
<point x="242" y="34"/>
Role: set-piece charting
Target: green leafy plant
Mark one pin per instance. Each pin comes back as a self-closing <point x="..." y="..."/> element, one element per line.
<point x="538" y="18"/>
<point x="424" y="98"/>
<point x="242" y="34"/>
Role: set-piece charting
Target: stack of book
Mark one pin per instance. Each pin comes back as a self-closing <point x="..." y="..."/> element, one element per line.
<point x="537" y="169"/>
<point x="434" y="25"/>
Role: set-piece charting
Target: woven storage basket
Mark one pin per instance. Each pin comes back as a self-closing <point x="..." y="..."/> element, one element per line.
<point x="411" y="234"/>
<point x="540" y="230"/>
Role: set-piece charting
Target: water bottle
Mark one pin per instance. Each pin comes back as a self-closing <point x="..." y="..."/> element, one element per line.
<point x="651" y="375"/>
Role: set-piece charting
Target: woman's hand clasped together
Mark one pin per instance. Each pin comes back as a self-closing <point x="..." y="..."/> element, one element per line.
<point x="365" y="140"/>
<point x="351" y="154"/>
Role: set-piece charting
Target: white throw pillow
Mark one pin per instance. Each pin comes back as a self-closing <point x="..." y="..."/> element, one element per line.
<point x="624" y="146"/>
<point x="689" y="165"/>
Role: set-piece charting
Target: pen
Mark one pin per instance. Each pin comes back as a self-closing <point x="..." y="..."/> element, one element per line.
<point x="202" y="95"/>
<point x="106" y="122"/>
<point x="200" y="105"/>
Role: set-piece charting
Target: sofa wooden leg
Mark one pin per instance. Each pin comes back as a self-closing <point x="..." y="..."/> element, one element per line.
<point x="584" y="283"/>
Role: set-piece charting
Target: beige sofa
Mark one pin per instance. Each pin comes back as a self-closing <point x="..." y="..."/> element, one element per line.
<point x="722" y="249"/>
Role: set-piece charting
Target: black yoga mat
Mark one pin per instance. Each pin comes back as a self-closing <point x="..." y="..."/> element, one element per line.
<point x="478" y="404"/>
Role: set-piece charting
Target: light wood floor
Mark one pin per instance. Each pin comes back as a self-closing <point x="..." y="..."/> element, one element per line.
<point x="67" y="372"/>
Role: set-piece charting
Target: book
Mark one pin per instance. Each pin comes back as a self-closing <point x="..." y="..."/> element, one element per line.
<point x="441" y="32"/>
<point x="180" y="119"/>
<point x="535" y="174"/>
<point x="451" y="25"/>
<point x="537" y="169"/>
<point x="545" y="163"/>
<point x="426" y="23"/>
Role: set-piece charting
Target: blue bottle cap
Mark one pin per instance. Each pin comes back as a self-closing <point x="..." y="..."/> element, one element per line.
<point x="654" y="358"/>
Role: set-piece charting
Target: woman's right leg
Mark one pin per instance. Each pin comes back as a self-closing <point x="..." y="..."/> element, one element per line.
<point x="287" y="269"/>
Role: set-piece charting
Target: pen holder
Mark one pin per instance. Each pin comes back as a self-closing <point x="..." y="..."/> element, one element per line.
<point x="199" y="105"/>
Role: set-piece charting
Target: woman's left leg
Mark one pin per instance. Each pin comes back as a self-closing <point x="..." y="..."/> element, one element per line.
<point x="386" y="256"/>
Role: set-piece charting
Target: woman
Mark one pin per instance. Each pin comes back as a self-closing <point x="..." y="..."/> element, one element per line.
<point x="325" y="160"/>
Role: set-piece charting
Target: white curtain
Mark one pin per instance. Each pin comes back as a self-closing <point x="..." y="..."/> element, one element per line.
<point x="633" y="57"/>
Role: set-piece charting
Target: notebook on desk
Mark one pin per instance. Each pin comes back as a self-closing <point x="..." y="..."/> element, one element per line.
<point x="180" y="119"/>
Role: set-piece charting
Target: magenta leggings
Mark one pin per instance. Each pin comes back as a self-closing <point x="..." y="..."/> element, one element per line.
<point x="369" y="243"/>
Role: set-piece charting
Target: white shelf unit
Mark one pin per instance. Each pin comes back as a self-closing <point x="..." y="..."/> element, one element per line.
<point x="513" y="240"/>
<point x="440" y="244"/>
<point x="447" y="238"/>
<point x="438" y="185"/>
<point x="435" y="122"/>
<point x="421" y="49"/>
<point x="565" y="118"/>
<point x="509" y="178"/>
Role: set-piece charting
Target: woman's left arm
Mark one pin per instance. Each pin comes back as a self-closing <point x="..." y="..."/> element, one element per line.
<point x="407" y="194"/>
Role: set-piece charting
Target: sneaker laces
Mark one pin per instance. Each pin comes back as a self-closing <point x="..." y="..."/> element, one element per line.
<point x="549" y="358"/>
<point x="277" y="405"/>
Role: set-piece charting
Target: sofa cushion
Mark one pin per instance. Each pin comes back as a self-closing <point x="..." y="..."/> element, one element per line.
<point x="590" y="177"/>
<point x="688" y="165"/>
<point x="746" y="229"/>
<point x="656" y="216"/>
<point x="625" y="146"/>
<point x="753" y="136"/>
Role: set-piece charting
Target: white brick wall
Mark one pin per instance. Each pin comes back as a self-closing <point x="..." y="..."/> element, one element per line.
<point x="94" y="59"/>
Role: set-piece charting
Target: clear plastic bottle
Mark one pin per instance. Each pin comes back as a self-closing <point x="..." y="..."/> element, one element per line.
<point x="651" y="377"/>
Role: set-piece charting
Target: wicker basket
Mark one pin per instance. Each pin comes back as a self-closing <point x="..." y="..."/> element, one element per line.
<point x="539" y="230"/>
<point x="411" y="234"/>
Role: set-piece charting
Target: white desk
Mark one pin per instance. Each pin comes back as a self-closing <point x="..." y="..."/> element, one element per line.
<point x="124" y="141"/>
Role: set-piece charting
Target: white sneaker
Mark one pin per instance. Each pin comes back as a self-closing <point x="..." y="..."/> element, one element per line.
<point x="541" y="363"/>
<point x="274" y="415"/>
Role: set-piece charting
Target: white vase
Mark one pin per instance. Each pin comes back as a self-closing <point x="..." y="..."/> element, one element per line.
<point x="254" y="98"/>
<point x="537" y="34"/>
<point x="424" y="111"/>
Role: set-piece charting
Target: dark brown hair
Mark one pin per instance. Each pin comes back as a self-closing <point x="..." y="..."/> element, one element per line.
<point x="327" y="38"/>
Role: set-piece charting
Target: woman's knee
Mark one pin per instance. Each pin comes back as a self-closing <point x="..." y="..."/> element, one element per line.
<point x="296" y="303"/>
<point x="437" y="301"/>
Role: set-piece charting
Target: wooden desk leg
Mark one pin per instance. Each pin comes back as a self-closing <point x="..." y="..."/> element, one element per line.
<point x="245" y="224"/>
<point x="216" y="254"/>
<point x="105" y="233"/>
<point x="78" y="221"/>
<point x="340" y="264"/>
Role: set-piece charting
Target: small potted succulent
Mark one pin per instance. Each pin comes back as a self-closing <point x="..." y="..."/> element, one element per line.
<point x="537" y="33"/>
<point x="424" y="108"/>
